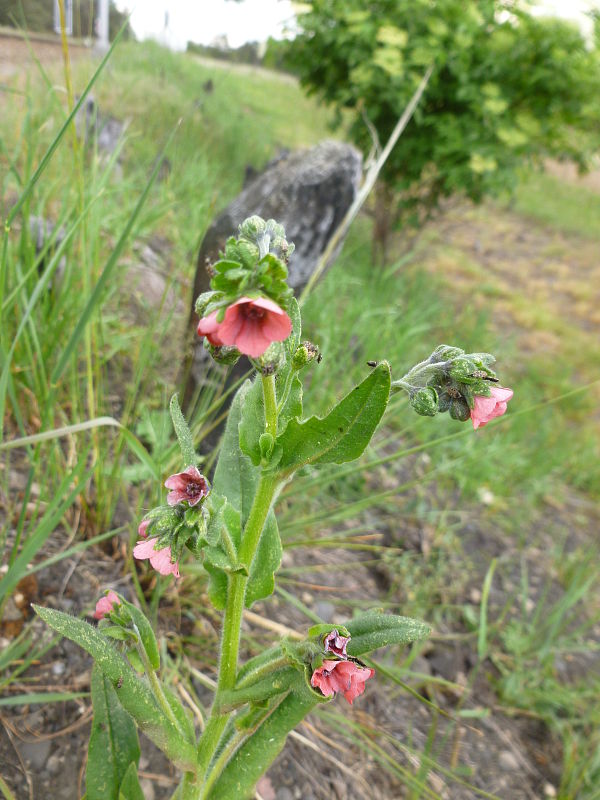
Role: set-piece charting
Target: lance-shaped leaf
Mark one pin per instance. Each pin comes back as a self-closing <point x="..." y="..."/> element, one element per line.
<point x="130" y="788"/>
<point x="184" y="435"/>
<point x="373" y="630"/>
<point x="236" y="478"/>
<point x="113" y="745"/>
<point x="147" y="637"/>
<point x="134" y="693"/>
<point x="278" y="682"/>
<point x="252" y="422"/>
<point x="344" y="433"/>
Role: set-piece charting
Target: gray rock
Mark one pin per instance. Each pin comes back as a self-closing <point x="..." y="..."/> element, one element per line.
<point x="325" y="610"/>
<point x="508" y="761"/>
<point x="284" y="794"/>
<point x="36" y="753"/>
<point x="47" y="238"/>
<point x="94" y="125"/>
<point x="54" y="764"/>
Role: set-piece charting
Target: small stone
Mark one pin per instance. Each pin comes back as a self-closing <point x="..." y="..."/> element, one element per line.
<point x="508" y="761"/>
<point x="58" y="668"/>
<point x="529" y="605"/>
<point x="147" y="788"/>
<point x="284" y="794"/>
<point x="54" y="764"/>
<point x="144" y="762"/>
<point x="307" y="598"/>
<point x="549" y="790"/>
<point x="36" y="753"/>
<point x="475" y="596"/>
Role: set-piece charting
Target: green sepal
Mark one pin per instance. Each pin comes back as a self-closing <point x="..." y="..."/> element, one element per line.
<point x="344" y="433"/>
<point x="147" y="637"/>
<point x="113" y="746"/>
<point x="321" y="630"/>
<point x="274" y="684"/>
<point x="133" y="692"/>
<point x="462" y="369"/>
<point x="184" y="435"/>
<point x="444" y="352"/>
<point x="130" y="788"/>
<point x="117" y="632"/>
<point x="374" y="629"/>
<point x="459" y="409"/>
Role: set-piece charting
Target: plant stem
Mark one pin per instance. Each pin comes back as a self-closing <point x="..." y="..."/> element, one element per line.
<point x="236" y="590"/>
<point x="270" y="399"/>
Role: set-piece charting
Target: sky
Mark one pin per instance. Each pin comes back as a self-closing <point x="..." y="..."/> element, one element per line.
<point x="204" y="21"/>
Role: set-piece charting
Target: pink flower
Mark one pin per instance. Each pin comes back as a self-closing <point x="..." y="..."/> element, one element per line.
<point x="105" y="605"/>
<point x="341" y="676"/>
<point x="189" y="485"/>
<point x="143" y="528"/>
<point x="334" y="643"/>
<point x="488" y="408"/>
<point x="159" y="559"/>
<point x="250" y="325"/>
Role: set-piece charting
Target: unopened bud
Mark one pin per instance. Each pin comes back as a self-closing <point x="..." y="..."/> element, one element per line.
<point x="223" y="354"/>
<point x="444" y="352"/>
<point x="252" y="227"/>
<point x="305" y="353"/>
<point x="204" y="300"/>
<point x="271" y="360"/>
<point x="459" y="409"/>
<point x="425" y="401"/>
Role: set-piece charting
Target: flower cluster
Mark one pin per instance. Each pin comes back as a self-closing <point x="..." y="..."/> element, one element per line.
<point x="244" y="313"/>
<point x="461" y="383"/>
<point x="340" y="673"/>
<point x="175" y="524"/>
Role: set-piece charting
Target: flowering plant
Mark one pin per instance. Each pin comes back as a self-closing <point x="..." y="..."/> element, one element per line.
<point x="231" y="528"/>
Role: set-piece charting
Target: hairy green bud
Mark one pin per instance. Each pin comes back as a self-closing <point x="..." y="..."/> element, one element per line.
<point x="459" y="409"/>
<point x="305" y="353"/>
<point x="425" y="401"/>
<point x="271" y="360"/>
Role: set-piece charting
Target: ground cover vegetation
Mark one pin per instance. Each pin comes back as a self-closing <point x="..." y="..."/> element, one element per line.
<point x="523" y="496"/>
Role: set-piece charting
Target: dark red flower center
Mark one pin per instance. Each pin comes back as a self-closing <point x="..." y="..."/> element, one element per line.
<point x="193" y="489"/>
<point x="253" y="312"/>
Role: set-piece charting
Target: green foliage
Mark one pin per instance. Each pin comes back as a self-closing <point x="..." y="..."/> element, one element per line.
<point x="505" y="87"/>
<point x="237" y="479"/>
<point x="344" y="433"/>
<point x="133" y="692"/>
<point x="113" y="748"/>
<point x="38" y="15"/>
<point x="373" y="630"/>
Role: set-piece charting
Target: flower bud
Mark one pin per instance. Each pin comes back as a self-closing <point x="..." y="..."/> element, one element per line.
<point x="252" y="227"/>
<point x="271" y="360"/>
<point x="223" y="354"/>
<point x="204" y="300"/>
<point x="248" y="253"/>
<point x="305" y="353"/>
<point x="444" y="352"/>
<point x="459" y="409"/>
<point x="425" y="401"/>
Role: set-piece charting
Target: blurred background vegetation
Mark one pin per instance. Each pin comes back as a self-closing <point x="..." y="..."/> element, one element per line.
<point x="511" y="114"/>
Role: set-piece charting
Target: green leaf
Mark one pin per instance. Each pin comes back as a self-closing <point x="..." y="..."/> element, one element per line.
<point x="375" y="629"/>
<point x="147" y="637"/>
<point x="344" y="433"/>
<point x="113" y="744"/>
<point x="184" y="435"/>
<point x="252" y="422"/>
<point x="267" y="561"/>
<point x="292" y="408"/>
<point x="258" y="751"/>
<point x="133" y="692"/>
<point x="130" y="788"/>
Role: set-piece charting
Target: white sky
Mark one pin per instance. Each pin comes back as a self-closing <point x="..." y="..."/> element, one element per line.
<point x="255" y="20"/>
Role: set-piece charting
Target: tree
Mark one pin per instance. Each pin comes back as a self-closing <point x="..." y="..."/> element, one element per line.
<point x="506" y="88"/>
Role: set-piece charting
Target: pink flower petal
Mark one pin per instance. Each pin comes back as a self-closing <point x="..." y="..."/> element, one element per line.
<point x="486" y="409"/>
<point x="143" y="528"/>
<point x="341" y="676"/>
<point x="161" y="562"/>
<point x="189" y="485"/>
<point x="144" y="548"/>
<point x="277" y="328"/>
<point x="209" y="327"/>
